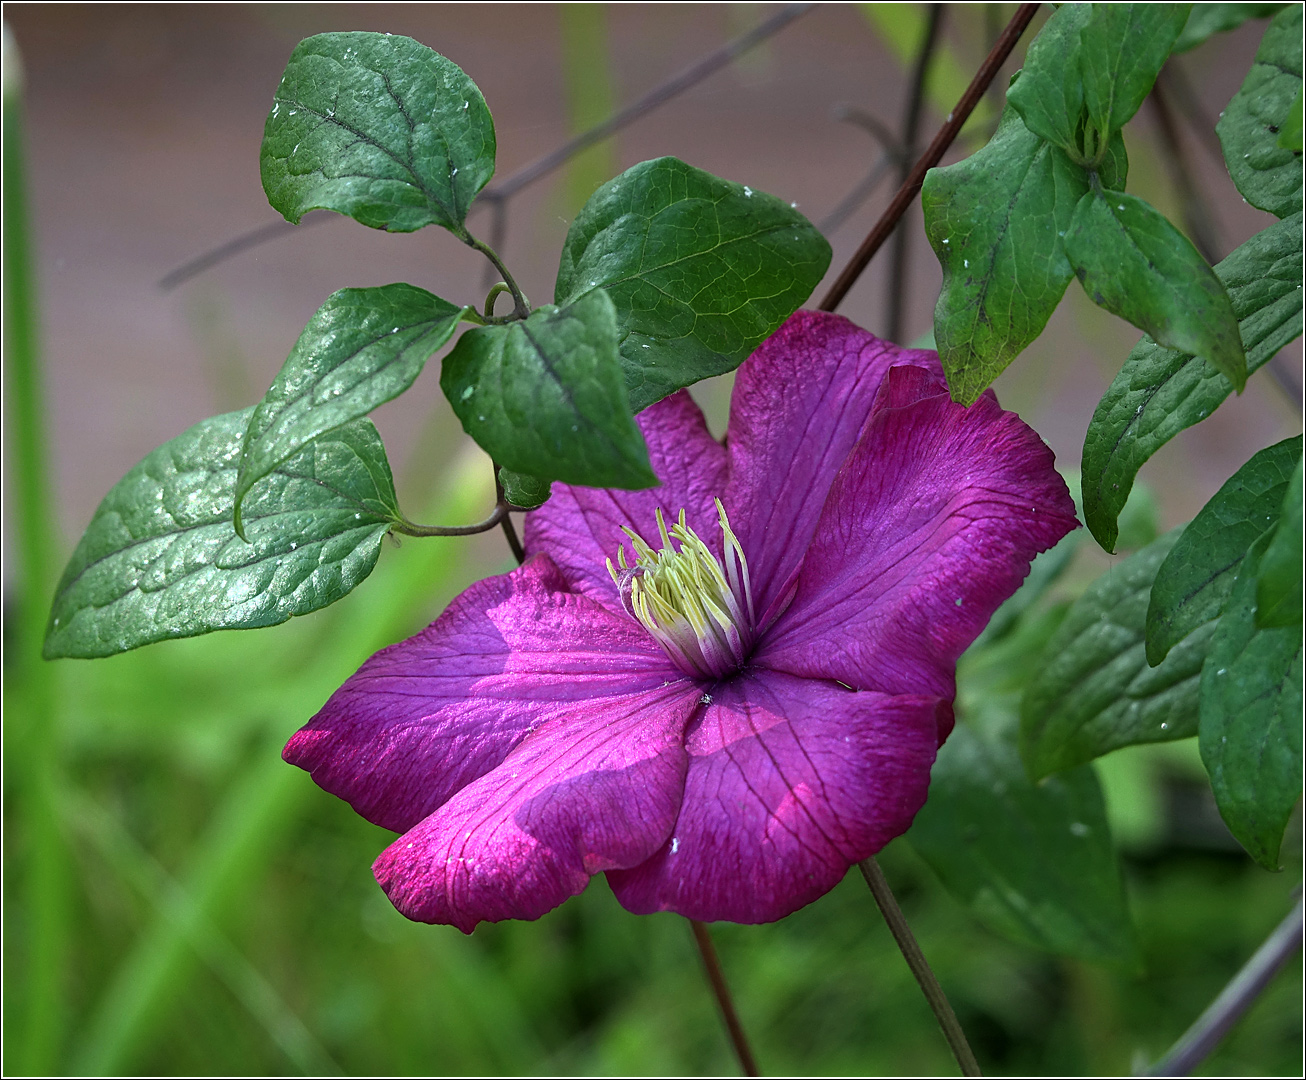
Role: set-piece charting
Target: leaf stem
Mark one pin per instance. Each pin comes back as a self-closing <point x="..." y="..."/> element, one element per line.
<point x="1234" y="1000"/>
<point x="717" y="978"/>
<point x="911" y="186"/>
<point x="509" y="532"/>
<point x="521" y="306"/>
<point x="920" y="968"/>
<point x="409" y="528"/>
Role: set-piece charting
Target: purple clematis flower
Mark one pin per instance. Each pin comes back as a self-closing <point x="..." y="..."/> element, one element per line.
<point x="723" y="691"/>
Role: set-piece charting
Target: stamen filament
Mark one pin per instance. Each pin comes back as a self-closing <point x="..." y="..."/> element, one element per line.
<point x="701" y="614"/>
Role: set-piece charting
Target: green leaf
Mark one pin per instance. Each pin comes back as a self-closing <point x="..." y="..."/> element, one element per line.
<point x="1048" y="91"/>
<point x="1194" y="581"/>
<point x="380" y="128"/>
<point x="1159" y="391"/>
<point x="1122" y="48"/>
<point x="1266" y="174"/>
<point x="1251" y="706"/>
<point x="1209" y="19"/>
<point x="1279" y="586"/>
<point x="1033" y="861"/>
<point x="524" y="490"/>
<point x="1137" y="265"/>
<point x="160" y="559"/>
<point x="545" y="396"/>
<point x="701" y="270"/>
<point x="1094" y="691"/>
<point x="362" y="348"/>
<point x="1290" y="134"/>
<point x="995" y="221"/>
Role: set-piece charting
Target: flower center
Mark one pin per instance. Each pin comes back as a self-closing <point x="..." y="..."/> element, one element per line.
<point x="699" y="612"/>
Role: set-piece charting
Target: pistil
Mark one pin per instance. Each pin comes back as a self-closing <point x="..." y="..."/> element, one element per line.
<point x="700" y="612"/>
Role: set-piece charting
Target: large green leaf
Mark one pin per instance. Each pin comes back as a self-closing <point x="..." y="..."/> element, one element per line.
<point x="1048" y="91"/>
<point x="995" y="222"/>
<point x="545" y="396"/>
<point x="362" y="348"/>
<point x="160" y="559"/>
<point x="1251" y="731"/>
<point x="1033" y="861"/>
<point x="1209" y="19"/>
<point x="1095" y="691"/>
<point x="1160" y="391"/>
<point x="1137" y="265"/>
<point x="1279" y="584"/>
<point x="701" y="270"/>
<point x="1193" y="582"/>
<point x="1267" y="175"/>
<point x="380" y="128"/>
<point x="1122" y="48"/>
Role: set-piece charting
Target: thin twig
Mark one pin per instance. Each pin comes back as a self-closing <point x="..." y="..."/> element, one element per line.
<point x="890" y="154"/>
<point x="256" y="237"/>
<point x="659" y="95"/>
<point x="875" y="239"/>
<point x="1234" y="1000"/>
<point x="911" y="952"/>
<point x="718" y="980"/>
<point x="911" y="123"/>
<point x="528" y="174"/>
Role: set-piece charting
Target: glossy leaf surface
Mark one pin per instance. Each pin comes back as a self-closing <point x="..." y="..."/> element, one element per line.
<point x="1268" y="175"/>
<point x="1251" y="731"/>
<point x="545" y="396"/>
<point x="160" y="558"/>
<point x="1122" y="48"/>
<point x="1095" y="691"/>
<point x="1279" y="583"/>
<point x="378" y="127"/>
<point x="1194" y="581"/>
<point x="362" y="348"/>
<point x="996" y="222"/>
<point x="700" y="271"/>
<point x="1137" y="265"/>
<point x="1160" y="391"/>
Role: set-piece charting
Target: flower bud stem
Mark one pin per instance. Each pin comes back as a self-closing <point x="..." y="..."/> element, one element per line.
<point x="911" y="952"/>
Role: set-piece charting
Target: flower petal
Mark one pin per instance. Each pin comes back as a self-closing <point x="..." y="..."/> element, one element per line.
<point x="591" y="791"/>
<point x="427" y="716"/>
<point x="790" y="782"/>
<point x="929" y="527"/>
<point x="580" y="528"/>
<point x="799" y="406"/>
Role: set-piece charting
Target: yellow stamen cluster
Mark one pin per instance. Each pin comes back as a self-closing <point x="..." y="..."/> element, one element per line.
<point x="701" y="614"/>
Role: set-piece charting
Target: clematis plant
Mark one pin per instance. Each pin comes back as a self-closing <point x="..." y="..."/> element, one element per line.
<point x="724" y="721"/>
<point x="723" y="673"/>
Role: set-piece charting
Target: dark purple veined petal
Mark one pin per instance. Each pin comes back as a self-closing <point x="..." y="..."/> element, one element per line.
<point x="929" y="527"/>
<point x="580" y="528"/>
<point x="594" y="790"/>
<point x="799" y="406"/>
<point x="790" y="782"/>
<point x="427" y="716"/>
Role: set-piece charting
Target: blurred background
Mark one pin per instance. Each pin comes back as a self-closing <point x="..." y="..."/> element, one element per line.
<point x="176" y="900"/>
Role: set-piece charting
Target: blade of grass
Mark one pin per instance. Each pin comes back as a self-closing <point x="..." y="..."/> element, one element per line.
<point x="32" y="740"/>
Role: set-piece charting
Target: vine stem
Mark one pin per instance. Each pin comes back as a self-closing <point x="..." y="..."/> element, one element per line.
<point x="521" y="306"/>
<point x="509" y="532"/>
<point x="724" y="1001"/>
<point x="911" y="123"/>
<point x="409" y="528"/>
<point x="920" y="968"/>
<point x="883" y="228"/>
<point x="1234" y="1000"/>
